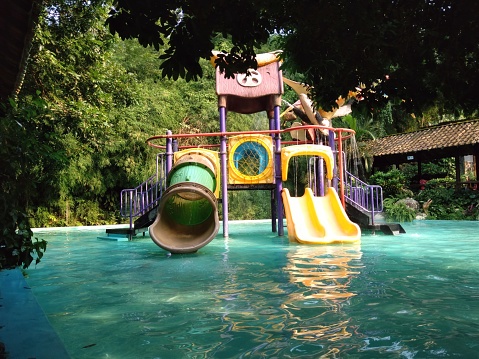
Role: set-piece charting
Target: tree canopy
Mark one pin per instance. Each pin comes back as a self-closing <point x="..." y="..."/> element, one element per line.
<point x="420" y="53"/>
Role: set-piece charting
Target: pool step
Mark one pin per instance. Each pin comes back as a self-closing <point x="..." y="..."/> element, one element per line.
<point x="393" y="229"/>
<point x="115" y="237"/>
<point x="118" y="234"/>
<point x="122" y="234"/>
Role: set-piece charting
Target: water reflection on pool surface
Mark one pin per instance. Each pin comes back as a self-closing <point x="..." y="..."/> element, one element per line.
<point x="257" y="295"/>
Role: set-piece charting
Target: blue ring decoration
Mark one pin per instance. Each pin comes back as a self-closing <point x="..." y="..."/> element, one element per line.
<point x="247" y="149"/>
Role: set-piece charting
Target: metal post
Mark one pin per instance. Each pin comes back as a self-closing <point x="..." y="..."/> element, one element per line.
<point x="272" y="192"/>
<point x="224" y="171"/>
<point x="333" y="148"/>
<point x="279" y="183"/>
<point x="169" y="153"/>
<point x="340" y="169"/>
<point x="319" y="173"/>
<point x="131" y="217"/>
<point x="320" y="176"/>
<point x="372" y="205"/>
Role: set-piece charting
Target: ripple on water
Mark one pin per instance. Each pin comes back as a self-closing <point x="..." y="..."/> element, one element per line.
<point x="257" y="295"/>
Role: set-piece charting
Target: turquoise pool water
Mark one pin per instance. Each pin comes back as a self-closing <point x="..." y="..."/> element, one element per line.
<point x="255" y="295"/>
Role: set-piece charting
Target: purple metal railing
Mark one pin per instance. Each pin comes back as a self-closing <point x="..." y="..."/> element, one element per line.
<point x="368" y="198"/>
<point x="365" y="197"/>
<point x="138" y="201"/>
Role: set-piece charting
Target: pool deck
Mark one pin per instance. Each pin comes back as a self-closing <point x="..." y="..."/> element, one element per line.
<point x="25" y="331"/>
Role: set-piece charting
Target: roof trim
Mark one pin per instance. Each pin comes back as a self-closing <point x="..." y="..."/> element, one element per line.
<point x="443" y="140"/>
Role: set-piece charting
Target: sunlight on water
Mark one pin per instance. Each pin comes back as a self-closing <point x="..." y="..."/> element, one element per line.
<point x="323" y="275"/>
<point x="257" y="295"/>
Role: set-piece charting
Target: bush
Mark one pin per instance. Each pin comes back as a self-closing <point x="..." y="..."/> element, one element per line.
<point x="42" y="217"/>
<point x="450" y="204"/>
<point x="392" y="182"/>
<point x="89" y="213"/>
<point x="397" y="210"/>
<point x="441" y="168"/>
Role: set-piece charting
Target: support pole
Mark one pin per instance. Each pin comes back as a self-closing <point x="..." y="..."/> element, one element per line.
<point x="169" y="153"/>
<point x="341" y="168"/>
<point x="272" y="192"/>
<point x="333" y="149"/>
<point x="476" y="161"/>
<point x="224" y="171"/>
<point x="319" y="165"/>
<point x="279" y="183"/>
<point x="457" y="164"/>
<point x="320" y="177"/>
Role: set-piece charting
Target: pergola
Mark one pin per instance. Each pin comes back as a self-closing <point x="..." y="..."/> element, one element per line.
<point x="17" y="23"/>
<point x="452" y="139"/>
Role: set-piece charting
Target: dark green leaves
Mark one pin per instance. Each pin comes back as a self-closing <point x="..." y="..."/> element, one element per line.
<point x="428" y="49"/>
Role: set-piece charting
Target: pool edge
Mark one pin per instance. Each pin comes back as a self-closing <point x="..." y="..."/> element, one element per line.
<point x="24" y="328"/>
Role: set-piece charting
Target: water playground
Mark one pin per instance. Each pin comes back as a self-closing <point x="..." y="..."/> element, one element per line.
<point x="180" y="204"/>
<point x="254" y="292"/>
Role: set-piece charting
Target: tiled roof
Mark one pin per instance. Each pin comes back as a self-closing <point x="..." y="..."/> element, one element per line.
<point x="17" y="18"/>
<point x="441" y="137"/>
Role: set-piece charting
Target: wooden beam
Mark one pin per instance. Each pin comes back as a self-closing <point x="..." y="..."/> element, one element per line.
<point x="476" y="159"/>
<point x="457" y="164"/>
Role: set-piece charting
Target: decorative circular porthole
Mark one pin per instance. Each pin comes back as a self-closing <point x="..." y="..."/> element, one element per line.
<point x="250" y="159"/>
<point x="252" y="80"/>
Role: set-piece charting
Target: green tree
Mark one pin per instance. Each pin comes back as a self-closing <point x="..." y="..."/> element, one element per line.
<point x="25" y="156"/>
<point x="393" y="183"/>
<point x="70" y="68"/>
<point x="421" y="52"/>
<point x="102" y="98"/>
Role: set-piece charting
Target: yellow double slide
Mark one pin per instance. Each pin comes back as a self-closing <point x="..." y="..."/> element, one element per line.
<point x="311" y="219"/>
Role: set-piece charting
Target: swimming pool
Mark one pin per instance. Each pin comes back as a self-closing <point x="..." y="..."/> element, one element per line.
<point x="257" y="295"/>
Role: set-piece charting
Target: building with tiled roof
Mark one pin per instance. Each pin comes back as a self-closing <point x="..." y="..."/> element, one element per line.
<point x="453" y="139"/>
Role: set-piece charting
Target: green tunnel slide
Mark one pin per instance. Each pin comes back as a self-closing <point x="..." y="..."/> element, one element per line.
<point x="187" y="216"/>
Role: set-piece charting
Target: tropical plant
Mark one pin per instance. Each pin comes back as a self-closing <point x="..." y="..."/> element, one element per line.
<point x="25" y="157"/>
<point x="362" y="128"/>
<point x="17" y="248"/>
<point x="449" y="203"/>
<point x="397" y="210"/>
<point x="437" y="171"/>
<point x="393" y="183"/>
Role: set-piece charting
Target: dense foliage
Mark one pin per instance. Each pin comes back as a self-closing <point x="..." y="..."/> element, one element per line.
<point x="393" y="183"/>
<point x="438" y="197"/>
<point x="75" y="135"/>
<point x="421" y="52"/>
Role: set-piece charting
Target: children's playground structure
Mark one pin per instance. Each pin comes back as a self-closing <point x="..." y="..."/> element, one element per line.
<point x="180" y="202"/>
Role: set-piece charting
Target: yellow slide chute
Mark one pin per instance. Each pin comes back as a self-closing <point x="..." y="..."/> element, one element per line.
<point x="311" y="219"/>
<point x="318" y="220"/>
